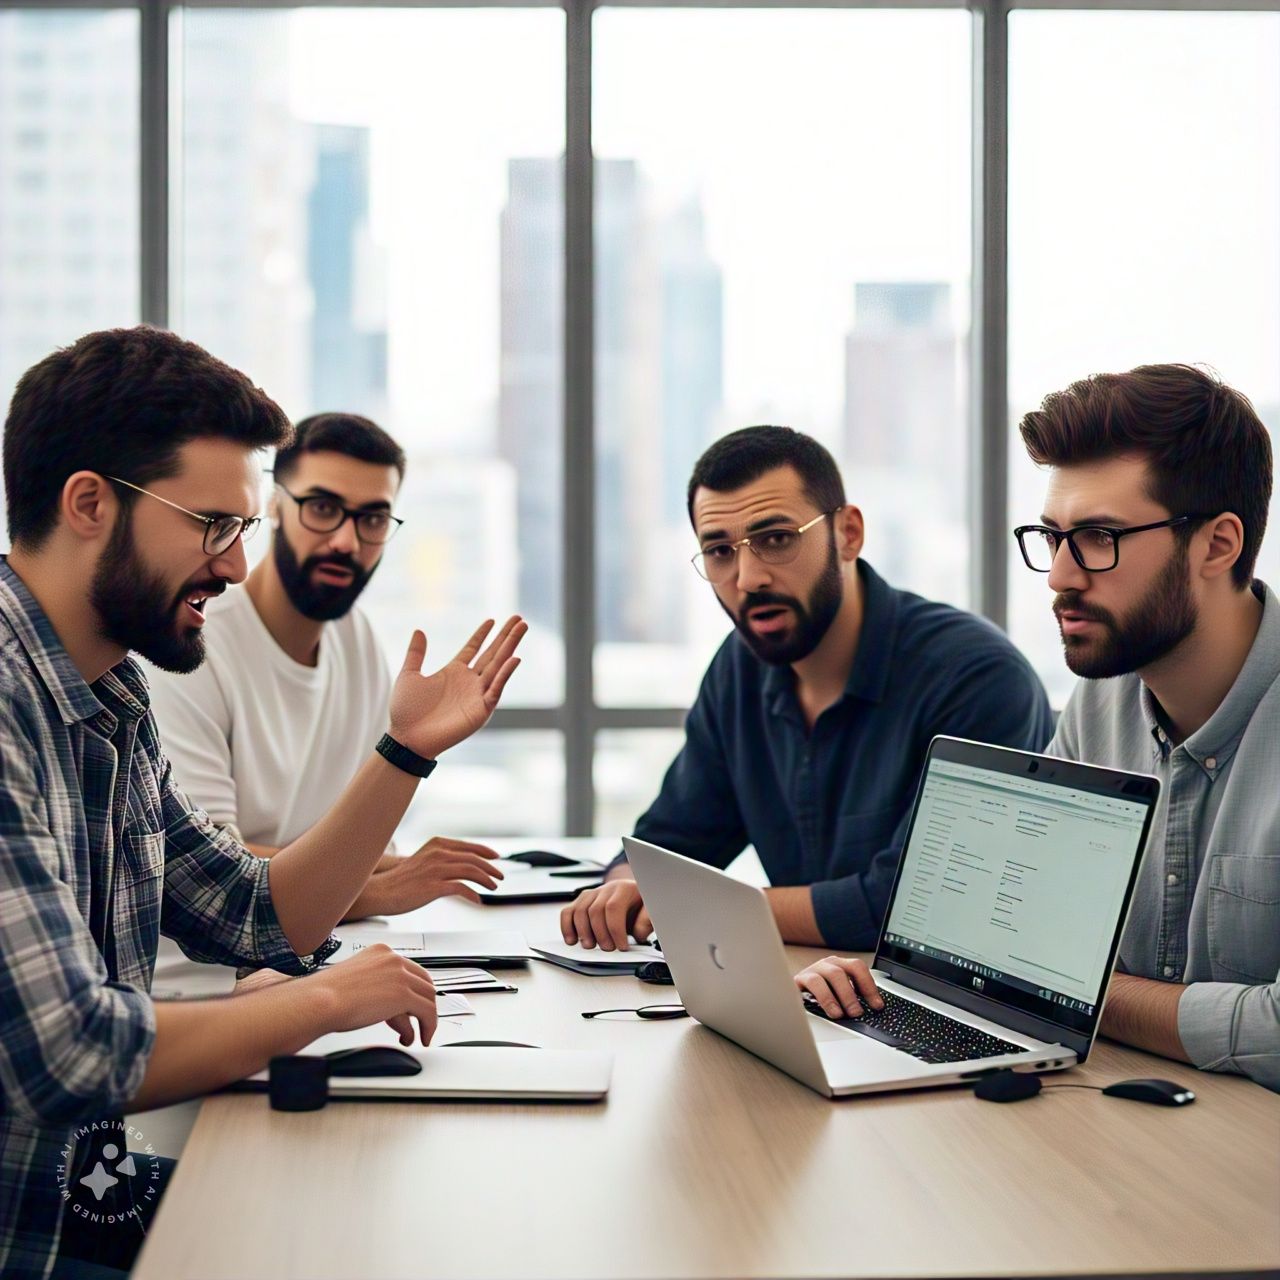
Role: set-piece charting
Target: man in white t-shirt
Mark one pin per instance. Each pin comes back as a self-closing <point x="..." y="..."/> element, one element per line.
<point x="294" y="689"/>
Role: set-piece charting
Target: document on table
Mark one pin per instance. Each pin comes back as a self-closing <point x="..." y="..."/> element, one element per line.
<point x="595" y="962"/>
<point x="467" y="980"/>
<point x="452" y="1005"/>
<point x="449" y="948"/>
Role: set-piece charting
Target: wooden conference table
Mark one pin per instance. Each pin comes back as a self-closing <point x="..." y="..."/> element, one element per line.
<point x="706" y="1162"/>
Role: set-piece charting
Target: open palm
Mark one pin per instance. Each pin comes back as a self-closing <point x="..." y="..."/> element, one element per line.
<point x="430" y="714"/>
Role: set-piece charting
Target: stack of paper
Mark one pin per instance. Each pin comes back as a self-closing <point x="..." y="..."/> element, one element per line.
<point x="493" y="947"/>
<point x="467" y="980"/>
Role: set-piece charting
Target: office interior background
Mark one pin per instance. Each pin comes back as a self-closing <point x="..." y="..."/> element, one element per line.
<point x="558" y="249"/>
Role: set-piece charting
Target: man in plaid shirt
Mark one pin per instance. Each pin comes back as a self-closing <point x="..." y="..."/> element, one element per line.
<point x="131" y="480"/>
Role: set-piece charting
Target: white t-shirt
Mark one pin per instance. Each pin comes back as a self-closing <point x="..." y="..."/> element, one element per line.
<point x="258" y="740"/>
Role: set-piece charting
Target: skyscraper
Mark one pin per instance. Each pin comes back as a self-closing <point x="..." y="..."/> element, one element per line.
<point x="348" y="332"/>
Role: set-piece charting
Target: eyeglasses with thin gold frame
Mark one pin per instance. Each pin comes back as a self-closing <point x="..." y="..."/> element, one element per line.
<point x="220" y="532"/>
<point x="777" y="545"/>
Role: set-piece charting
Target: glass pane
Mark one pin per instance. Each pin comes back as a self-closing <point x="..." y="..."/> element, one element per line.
<point x="499" y="783"/>
<point x="370" y="220"/>
<point x="1144" y="225"/>
<point x="68" y="181"/>
<point x="791" y="247"/>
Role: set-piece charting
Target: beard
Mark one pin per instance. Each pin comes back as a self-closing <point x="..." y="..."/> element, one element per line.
<point x="319" y="601"/>
<point x="136" y="610"/>
<point x="813" y="619"/>
<point x="1154" y="627"/>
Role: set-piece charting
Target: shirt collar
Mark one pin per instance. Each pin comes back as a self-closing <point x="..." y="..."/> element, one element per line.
<point x="121" y="692"/>
<point x="1219" y="736"/>
<point x="869" y="675"/>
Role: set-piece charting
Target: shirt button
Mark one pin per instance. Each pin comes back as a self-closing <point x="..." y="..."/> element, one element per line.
<point x="1168" y="971"/>
<point x="1171" y="878"/>
<point x="1211" y="762"/>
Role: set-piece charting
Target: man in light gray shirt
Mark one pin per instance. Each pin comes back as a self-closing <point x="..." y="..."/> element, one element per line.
<point x="1157" y="502"/>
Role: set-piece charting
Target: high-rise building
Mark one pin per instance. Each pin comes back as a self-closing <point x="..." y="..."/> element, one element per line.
<point x="658" y="386"/>
<point x="348" y="330"/>
<point x="68" y="181"/>
<point x="905" y="435"/>
<point x="247" y="168"/>
<point x="531" y="363"/>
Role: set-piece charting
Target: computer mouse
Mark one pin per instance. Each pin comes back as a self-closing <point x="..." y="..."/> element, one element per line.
<point x="1163" y="1093"/>
<point x="487" y="1044"/>
<point x="376" y="1060"/>
<point x="541" y="858"/>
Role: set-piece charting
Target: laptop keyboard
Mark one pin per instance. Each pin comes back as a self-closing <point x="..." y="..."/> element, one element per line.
<point x="924" y="1033"/>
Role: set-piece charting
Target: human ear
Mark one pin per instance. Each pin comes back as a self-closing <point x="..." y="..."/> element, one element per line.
<point x="88" y="505"/>
<point x="1223" y="542"/>
<point x="850" y="531"/>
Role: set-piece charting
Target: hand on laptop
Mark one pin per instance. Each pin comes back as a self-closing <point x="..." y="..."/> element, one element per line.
<point x="430" y="714"/>
<point x="841" y="986"/>
<point x="438" y="869"/>
<point x="604" y="917"/>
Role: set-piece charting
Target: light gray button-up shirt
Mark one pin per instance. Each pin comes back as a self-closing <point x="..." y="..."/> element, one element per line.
<point x="1206" y="908"/>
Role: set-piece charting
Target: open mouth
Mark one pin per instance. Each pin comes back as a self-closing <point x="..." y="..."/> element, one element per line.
<point x="334" y="575"/>
<point x="195" y="604"/>
<point x="766" y="619"/>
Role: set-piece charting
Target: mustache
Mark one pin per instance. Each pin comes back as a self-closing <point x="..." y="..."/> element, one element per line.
<point x="337" y="561"/>
<point x="209" y="587"/>
<point x="763" y="599"/>
<point x="1067" y="603"/>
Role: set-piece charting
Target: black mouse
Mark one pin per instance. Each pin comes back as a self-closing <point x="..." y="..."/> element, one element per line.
<point x="541" y="858"/>
<point x="1163" y="1093"/>
<point x="487" y="1044"/>
<point x="376" y="1060"/>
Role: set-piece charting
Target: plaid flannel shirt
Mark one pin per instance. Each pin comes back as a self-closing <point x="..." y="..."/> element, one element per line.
<point x="95" y="842"/>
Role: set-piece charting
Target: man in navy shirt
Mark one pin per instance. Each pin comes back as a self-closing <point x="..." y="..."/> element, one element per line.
<point x="813" y="719"/>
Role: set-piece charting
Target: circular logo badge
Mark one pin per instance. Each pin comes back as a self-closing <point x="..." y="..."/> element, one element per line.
<point x="109" y="1174"/>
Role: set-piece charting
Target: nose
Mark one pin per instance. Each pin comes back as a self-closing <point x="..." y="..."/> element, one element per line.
<point x="1065" y="574"/>
<point x="344" y="539"/>
<point x="232" y="565"/>
<point x="751" y="572"/>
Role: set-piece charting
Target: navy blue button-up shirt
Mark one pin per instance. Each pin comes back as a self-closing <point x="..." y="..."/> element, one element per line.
<point x="829" y="808"/>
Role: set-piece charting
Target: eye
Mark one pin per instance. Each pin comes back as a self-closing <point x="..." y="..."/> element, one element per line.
<point x="1095" y="539"/>
<point x="374" y="521"/>
<point x="775" y="539"/>
<point x="324" y="508"/>
<point x="720" y="551"/>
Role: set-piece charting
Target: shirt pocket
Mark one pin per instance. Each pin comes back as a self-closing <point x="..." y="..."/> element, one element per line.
<point x="860" y="834"/>
<point x="1244" y="917"/>
<point x="139" y="889"/>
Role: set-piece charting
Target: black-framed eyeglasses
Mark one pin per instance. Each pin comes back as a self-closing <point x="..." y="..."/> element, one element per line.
<point x="649" y="1012"/>
<point x="220" y="532"/>
<point x="1094" y="547"/>
<point x="779" y="545"/>
<point x="324" y="514"/>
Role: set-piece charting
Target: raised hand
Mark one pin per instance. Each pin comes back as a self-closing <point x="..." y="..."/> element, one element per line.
<point x="430" y="714"/>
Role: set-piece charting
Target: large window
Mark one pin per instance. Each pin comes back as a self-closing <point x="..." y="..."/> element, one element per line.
<point x="68" y="180"/>
<point x="791" y="247"/>
<point x="774" y="217"/>
<point x="1144" y="225"/>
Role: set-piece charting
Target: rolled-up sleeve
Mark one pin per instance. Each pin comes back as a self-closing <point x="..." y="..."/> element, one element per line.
<point x="73" y="1045"/>
<point x="217" y="895"/>
<point x="1229" y="1026"/>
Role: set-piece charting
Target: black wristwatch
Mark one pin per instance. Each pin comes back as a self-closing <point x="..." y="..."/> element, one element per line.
<point x="404" y="759"/>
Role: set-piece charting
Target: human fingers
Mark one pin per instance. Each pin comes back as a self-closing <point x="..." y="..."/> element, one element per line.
<point x="619" y="907"/>
<point x="493" y="694"/>
<point x="598" y="914"/>
<point x="642" y="929"/>
<point x="402" y="1027"/>
<point x="582" y="917"/>
<point x="812" y="981"/>
<point x="503" y="645"/>
<point x="472" y="647"/>
<point x="456" y="889"/>
<point x="417" y="652"/>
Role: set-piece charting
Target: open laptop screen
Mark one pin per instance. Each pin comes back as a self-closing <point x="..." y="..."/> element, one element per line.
<point x="1017" y="876"/>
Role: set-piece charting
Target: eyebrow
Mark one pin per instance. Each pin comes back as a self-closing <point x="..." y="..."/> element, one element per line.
<point x="1109" y="521"/>
<point x="319" y="491"/>
<point x="756" y="526"/>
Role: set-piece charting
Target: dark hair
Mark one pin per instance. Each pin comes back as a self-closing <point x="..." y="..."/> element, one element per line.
<point x="746" y="454"/>
<point x="346" y="433"/>
<point x="1206" y="449"/>
<point x="121" y="402"/>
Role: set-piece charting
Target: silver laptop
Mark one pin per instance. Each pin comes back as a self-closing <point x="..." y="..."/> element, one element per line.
<point x="999" y="938"/>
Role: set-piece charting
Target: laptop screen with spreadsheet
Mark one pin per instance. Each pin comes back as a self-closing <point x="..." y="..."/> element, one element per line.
<point x="1016" y="877"/>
